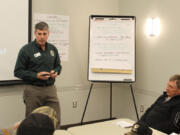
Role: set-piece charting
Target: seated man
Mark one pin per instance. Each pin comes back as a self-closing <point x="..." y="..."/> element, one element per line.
<point x="164" y="114"/>
<point x="42" y="121"/>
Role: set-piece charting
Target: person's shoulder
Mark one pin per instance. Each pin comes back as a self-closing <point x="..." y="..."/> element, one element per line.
<point x="161" y="98"/>
<point x="51" y="46"/>
<point x="27" y="46"/>
<point x="177" y="98"/>
<point x="163" y="95"/>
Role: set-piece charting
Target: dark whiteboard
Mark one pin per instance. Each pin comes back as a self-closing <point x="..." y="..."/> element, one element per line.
<point x="111" y="48"/>
<point x="14" y="32"/>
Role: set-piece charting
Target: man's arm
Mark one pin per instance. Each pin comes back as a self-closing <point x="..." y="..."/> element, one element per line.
<point x="20" y="70"/>
<point x="170" y="125"/>
<point x="143" y="117"/>
<point x="57" y="65"/>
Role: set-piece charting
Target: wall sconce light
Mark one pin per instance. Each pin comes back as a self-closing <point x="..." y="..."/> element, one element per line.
<point x="153" y="26"/>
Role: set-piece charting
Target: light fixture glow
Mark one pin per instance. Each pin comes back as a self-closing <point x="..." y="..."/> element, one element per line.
<point x="153" y="26"/>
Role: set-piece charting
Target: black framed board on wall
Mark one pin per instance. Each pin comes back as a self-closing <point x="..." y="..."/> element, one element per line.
<point x="111" y="55"/>
<point x="15" y="32"/>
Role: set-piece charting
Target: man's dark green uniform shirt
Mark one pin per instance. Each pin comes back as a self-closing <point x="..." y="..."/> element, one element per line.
<point x="32" y="59"/>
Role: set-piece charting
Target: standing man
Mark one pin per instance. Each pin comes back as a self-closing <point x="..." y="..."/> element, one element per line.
<point x="38" y="64"/>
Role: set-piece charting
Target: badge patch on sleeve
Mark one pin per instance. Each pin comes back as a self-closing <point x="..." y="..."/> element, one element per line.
<point x="52" y="53"/>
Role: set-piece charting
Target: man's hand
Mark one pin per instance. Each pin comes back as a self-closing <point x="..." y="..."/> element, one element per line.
<point x="43" y="75"/>
<point x="16" y="125"/>
<point x="53" y="74"/>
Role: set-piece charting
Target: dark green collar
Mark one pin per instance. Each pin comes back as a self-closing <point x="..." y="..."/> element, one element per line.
<point x="38" y="46"/>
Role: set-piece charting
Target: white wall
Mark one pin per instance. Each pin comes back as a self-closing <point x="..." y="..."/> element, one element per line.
<point x="157" y="57"/>
<point x="11" y="104"/>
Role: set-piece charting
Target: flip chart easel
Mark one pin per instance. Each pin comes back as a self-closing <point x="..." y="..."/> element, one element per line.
<point x="111" y="55"/>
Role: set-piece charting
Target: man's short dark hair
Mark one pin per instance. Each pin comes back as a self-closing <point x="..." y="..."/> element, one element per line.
<point x="176" y="78"/>
<point x="36" y="124"/>
<point x="41" y="26"/>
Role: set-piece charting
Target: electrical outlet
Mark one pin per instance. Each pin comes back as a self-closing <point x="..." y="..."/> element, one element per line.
<point x="141" y="108"/>
<point x="74" y="104"/>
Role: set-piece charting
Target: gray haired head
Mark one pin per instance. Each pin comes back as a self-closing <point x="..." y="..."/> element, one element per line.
<point x="41" y="26"/>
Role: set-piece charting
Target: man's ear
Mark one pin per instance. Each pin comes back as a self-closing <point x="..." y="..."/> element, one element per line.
<point x="178" y="91"/>
<point x="178" y="84"/>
